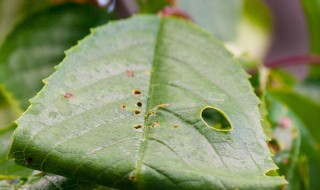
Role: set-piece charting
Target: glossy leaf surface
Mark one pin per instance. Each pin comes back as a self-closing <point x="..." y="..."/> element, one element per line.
<point x="124" y="111"/>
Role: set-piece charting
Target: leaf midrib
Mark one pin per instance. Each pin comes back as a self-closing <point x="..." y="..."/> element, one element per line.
<point x="149" y="96"/>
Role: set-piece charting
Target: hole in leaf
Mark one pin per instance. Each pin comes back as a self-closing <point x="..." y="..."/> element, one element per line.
<point x="271" y="173"/>
<point x="139" y="104"/>
<point x="138" y="126"/>
<point x="136" y="92"/>
<point x="132" y="178"/>
<point x="137" y="111"/>
<point x="274" y="146"/>
<point x="29" y="160"/>
<point x="216" y="119"/>
<point x="123" y="106"/>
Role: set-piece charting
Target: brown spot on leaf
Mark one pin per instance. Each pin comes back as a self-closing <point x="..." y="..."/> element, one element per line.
<point x="123" y="106"/>
<point x="156" y="124"/>
<point x="160" y="106"/>
<point x="132" y="178"/>
<point x="136" y="92"/>
<point x="138" y="126"/>
<point x="130" y="73"/>
<point x="176" y="126"/>
<point x="137" y="111"/>
<point x="68" y="95"/>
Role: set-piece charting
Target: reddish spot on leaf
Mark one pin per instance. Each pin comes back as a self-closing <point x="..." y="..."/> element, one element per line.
<point x="130" y="73"/>
<point x="285" y="123"/>
<point x="172" y="11"/>
<point x="156" y="124"/>
<point x="68" y="95"/>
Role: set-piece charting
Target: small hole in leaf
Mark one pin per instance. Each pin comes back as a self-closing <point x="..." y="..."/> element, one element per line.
<point x="132" y="178"/>
<point x="137" y="111"/>
<point x="123" y="106"/>
<point x="29" y="160"/>
<point x="139" y="104"/>
<point x="272" y="173"/>
<point x="138" y="126"/>
<point x="216" y="119"/>
<point x="274" y="146"/>
<point x="136" y="92"/>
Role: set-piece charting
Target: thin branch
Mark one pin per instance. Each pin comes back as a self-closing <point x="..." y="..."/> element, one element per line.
<point x="293" y="60"/>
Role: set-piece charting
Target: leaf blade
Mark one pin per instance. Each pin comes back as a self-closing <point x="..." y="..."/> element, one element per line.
<point x="151" y="61"/>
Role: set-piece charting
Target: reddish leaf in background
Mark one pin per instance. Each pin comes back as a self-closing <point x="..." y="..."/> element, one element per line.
<point x="172" y="11"/>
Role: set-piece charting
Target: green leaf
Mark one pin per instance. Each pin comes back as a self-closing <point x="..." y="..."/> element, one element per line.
<point x="304" y="107"/>
<point x="253" y="32"/>
<point x="217" y="16"/>
<point x="9" y="110"/>
<point x="13" y="11"/>
<point x="298" y="153"/>
<point x="13" y="176"/>
<point x="30" y="52"/>
<point x="310" y="89"/>
<point x="124" y="111"/>
<point x="286" y="142"/>
<point x="8" y="169"/>
<point x="312" y="12"/>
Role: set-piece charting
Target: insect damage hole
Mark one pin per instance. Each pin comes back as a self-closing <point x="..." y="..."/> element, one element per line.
<point x="138" y="126"/>
<point x="136" y="92"/>
<point x="216" y="119"/>
<point x="137" y="111"/>
<point x="139" y="104"/>
<point x="29" y="160"/>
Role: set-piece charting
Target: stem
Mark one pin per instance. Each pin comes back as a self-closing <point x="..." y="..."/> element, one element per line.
<point x="293" y="60"/>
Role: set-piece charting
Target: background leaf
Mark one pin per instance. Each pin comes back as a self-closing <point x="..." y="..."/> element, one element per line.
<point x="217" y="16"/>
<point x="30" y="52"/>
<point x="13" y="11"/>
<point x="124" y="111"/>
<point x="312" y="12"/>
